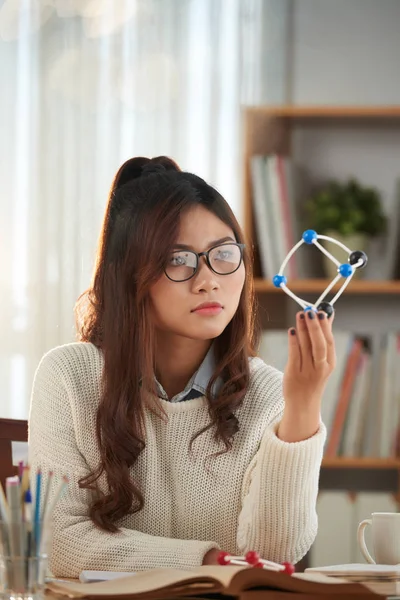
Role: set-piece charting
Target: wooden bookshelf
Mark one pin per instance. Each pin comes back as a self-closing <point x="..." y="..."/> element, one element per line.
<point x="268" y="130"/>
<point x="305" y="286"/>
<point x="345" y="462"/>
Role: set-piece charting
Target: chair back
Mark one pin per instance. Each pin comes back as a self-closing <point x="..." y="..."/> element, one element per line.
<point x="10" y="431"/>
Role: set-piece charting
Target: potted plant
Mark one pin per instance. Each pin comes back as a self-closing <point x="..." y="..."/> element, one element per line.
<point x="347" y="212"/>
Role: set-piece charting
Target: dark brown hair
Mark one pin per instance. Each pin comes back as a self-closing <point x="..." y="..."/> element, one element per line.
<point x="140" y="228"/>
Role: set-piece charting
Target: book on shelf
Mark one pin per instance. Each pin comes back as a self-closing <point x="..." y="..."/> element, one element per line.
<point x="275" y="184"/>
<point x="361" y="402"/>
<point x="355" y="422"/>
<point x="279" y="188"/>
<point x="230" y="581"/>
<point x="262" y="208"/>
<point x="348" y="377"/>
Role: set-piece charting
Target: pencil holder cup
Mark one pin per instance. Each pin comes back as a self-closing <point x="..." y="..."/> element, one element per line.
<point x="23" y="561"/>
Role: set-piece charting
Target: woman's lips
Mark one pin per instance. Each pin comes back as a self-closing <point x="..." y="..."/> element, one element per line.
<point x="208" y="309"/>
<point x="208" y="312"/>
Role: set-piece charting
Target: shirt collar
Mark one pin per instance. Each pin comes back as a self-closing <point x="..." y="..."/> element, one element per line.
<point x="197" y="385"/>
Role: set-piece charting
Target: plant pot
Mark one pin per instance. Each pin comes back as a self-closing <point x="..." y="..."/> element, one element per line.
<point x="357" y="241"/>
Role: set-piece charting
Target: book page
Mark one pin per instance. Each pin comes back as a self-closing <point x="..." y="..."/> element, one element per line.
<point x="307" y="583"/>
<point x="211" y="578"/>
<point x="229" y="580"/>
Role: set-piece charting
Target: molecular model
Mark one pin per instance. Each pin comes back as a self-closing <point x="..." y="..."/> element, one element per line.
<point x="254" y="560"/>
<point x="357" y="260"/>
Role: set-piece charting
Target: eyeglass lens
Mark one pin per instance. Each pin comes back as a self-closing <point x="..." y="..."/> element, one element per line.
<point x="224" y="259"/>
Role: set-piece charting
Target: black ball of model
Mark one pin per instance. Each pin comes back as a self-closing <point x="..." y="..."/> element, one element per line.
<point x="356" y="256"/>
<point x="327" y="308"/>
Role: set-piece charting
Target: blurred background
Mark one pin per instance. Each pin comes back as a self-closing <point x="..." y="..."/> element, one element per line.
<point x="291" y="108"/>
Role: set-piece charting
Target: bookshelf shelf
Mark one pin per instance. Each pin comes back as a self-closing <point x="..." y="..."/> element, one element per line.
<point x="295" y="112"/>
<point x="344" y="462"/>
<point x="311" y="286"/>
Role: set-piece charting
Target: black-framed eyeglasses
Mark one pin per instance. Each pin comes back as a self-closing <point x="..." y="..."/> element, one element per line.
<point x="223" y="259"/>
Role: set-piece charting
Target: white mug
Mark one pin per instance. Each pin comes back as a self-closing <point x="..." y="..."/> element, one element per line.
<point x="385" y="538"/>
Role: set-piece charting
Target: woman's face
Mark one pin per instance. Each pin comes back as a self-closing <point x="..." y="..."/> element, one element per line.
<point x="176" y="304"/>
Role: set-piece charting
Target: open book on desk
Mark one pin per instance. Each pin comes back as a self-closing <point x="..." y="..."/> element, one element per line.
<point x="237" y="581"/>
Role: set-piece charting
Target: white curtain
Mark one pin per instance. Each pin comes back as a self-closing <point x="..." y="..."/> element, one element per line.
<point x="85" y="84"/>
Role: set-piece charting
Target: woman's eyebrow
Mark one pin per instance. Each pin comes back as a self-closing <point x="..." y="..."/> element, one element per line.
<point x="209" y="245"/>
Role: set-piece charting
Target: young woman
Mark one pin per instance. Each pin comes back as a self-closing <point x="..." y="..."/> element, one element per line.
<point x="178" y="441"/>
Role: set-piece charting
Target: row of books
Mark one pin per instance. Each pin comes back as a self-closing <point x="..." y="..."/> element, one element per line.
<point x="275" y="210"/>
<point x="279" y="190"/>
<point x="361" y="403"/>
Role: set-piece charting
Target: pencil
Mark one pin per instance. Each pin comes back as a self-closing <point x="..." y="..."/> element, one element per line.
<point x="46" y="494"/>
<point x="36" y="518"/>
<point x="4" y="511"/>
<point x="4" y="528"/>
<point x="16" y="537"/>
<point x="13" y="494"/>
<point x="24" y="483"/>
<point x="28" y="506"/>
<point x="27" y="518"/>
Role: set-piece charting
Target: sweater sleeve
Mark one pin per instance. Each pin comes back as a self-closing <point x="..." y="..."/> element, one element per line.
<point x="278" y="518"/>
<point x="77" y="543"/>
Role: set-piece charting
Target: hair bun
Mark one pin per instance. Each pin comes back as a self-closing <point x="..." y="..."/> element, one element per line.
<point x="159" y="164"/>
<point x="150" y="168"/>
<point x="135" y="167"/>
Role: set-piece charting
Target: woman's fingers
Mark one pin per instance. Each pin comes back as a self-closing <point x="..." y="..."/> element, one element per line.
<point x="317" y="338"/>
<point x="313" y="343"/>
<point x="303" y="339"/>
<point x="326" y="328"/>
<point x="294" y="355"/>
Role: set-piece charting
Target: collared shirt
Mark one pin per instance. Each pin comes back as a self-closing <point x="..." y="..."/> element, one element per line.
<point x="197" y="384"/>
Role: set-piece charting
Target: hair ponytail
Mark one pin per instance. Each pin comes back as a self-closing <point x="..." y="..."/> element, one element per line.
<point x="134" y="168"/>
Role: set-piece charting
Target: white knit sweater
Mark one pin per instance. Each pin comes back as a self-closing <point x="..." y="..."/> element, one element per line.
<point x="260" y="495"/>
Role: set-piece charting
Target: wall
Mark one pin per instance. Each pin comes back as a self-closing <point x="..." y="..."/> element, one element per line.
<point x="345" y="52"/>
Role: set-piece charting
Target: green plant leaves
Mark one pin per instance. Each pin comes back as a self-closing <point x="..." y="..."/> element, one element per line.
<point x="347" y="208"/>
